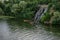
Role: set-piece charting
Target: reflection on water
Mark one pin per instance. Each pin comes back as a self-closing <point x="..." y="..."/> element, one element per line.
<point x="16" y="30"/>
<point x="4" y="31"/>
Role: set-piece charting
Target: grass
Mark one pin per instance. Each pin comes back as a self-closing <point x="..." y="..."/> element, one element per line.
<point x="6" y="17"/>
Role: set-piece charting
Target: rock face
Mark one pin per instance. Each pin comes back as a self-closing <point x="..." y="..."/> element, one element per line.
<point x="43" y="9"/>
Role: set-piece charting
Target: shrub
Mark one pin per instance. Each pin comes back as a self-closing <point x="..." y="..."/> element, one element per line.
<point x="56" y="19"/>
<point x="46" y="17"/>
<point x="57" y="6"/>
<point x="1" y="12"/>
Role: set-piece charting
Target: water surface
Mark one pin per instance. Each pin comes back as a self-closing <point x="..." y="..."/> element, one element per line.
<point x="14" y="30"/>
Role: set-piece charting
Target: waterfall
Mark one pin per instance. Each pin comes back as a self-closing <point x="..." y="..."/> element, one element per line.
<point x="39" y="13"/>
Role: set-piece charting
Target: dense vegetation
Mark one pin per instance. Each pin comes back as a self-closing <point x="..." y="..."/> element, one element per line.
<point x="25" y="9"/>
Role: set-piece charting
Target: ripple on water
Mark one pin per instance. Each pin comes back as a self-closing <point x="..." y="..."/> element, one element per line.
<point x="38" y="33"/>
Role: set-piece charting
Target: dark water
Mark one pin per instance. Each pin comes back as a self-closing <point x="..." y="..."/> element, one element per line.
<point x="16" y="30"/>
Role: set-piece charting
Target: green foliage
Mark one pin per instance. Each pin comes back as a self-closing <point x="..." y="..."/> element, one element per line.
<point x="2" y="5"/>
<point x="44" y="1"/>
<point x="1" y="12"/>
<point x="57" y="6"/>
<point x="46" y="17"/>
<point x="49" y="6"/>
<point x="22" y="4"/>
<point x="23" y="9"/>
<point x="26" y="8"/>
<point x="56" y="18"/>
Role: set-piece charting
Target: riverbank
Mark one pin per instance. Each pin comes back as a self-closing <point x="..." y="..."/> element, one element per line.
<point x="6" y="17"/>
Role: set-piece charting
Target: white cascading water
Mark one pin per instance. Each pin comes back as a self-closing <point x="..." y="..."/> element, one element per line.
<point x="39" y="14"/>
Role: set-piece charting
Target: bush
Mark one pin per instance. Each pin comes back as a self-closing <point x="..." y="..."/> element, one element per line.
<point x="46" y="17"/>
<point x="57" y="6"/>
<point x="22" y="4"/>
<point x="56" y="19"/>
<point x="1" y="12"/>
<point x="44" y="1"/>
